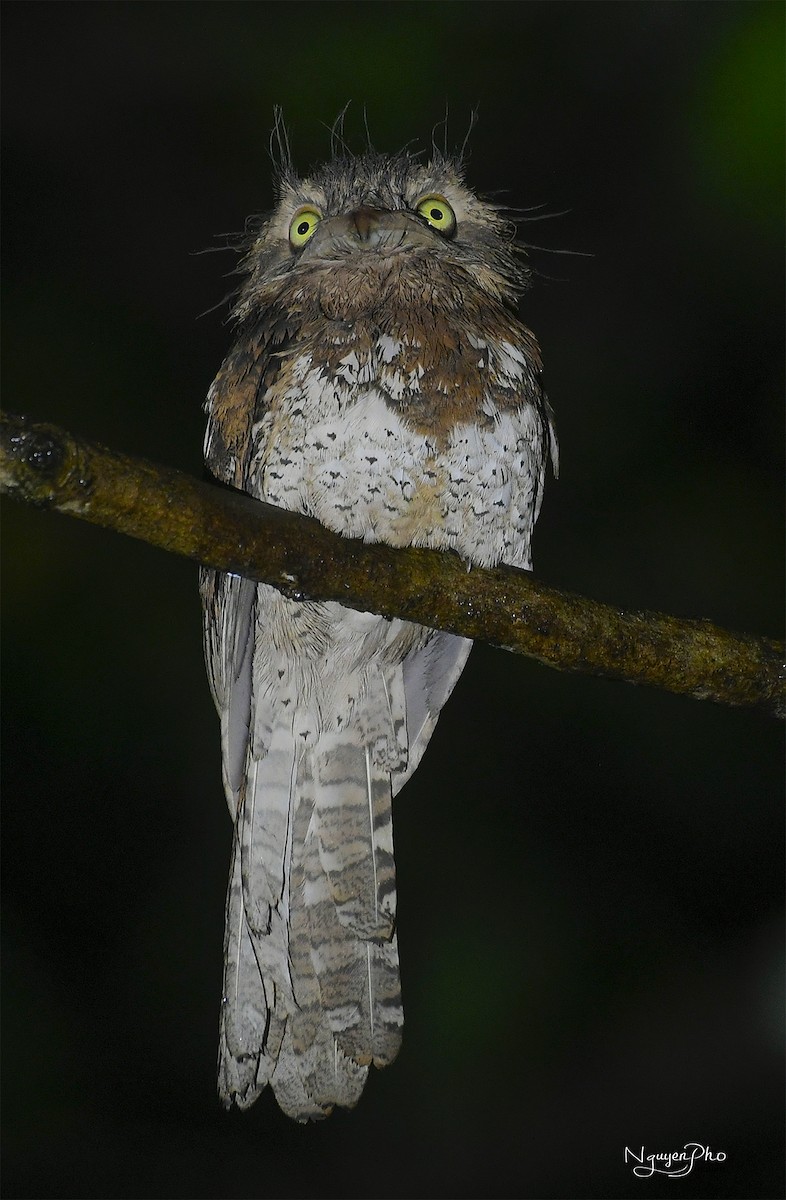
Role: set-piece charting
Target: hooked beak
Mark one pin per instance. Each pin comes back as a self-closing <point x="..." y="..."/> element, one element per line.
<point x="370" y="224"/>
<point x="367" y="229"/>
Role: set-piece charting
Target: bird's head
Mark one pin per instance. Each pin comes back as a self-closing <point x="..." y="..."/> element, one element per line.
<point x="367" y="224"/>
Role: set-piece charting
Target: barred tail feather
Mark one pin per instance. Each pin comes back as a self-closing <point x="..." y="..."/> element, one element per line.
<point x="311" y="989"/>
<point x="353" y="900"/>
<point x="249" y="1034"/>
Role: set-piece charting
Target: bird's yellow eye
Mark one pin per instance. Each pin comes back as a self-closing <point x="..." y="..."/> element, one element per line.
<point x="438" y="213"/>
<point x="303" y="225"/>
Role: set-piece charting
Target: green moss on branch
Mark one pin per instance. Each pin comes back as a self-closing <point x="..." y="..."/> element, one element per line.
<point x="44" y="465"/>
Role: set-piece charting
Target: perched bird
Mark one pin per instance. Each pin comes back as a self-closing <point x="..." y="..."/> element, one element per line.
<point x="381" y="382"/>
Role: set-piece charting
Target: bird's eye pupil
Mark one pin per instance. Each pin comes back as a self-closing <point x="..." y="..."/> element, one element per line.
<point x="303" y="228"/>
<point x="437" y="213"/>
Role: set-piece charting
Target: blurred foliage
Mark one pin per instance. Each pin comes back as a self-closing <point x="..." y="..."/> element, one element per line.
<point x="738" y="120"/>
<point x="590" y="877"/>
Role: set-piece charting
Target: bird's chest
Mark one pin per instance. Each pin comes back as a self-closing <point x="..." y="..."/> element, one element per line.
<point x="330" y="444"/>
<point x="374" y="450"/>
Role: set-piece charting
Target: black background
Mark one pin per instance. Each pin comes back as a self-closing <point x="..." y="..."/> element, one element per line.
<point x="590" y="875"/>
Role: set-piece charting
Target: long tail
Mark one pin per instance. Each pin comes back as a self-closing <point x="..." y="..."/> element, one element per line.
<point x="311" y="988"/>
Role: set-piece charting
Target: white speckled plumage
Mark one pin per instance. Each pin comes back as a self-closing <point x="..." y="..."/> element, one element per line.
<point x="363" y="471"/>
<point x="381" y="383"/>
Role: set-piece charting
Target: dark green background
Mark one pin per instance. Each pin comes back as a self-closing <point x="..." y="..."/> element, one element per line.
<point x="590" y="876"/>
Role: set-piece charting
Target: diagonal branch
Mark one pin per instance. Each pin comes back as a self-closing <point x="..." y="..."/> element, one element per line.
<point x="220" y="528"/>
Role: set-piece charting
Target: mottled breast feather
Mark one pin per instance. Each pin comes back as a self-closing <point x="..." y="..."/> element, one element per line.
<point x="437" y="390"/>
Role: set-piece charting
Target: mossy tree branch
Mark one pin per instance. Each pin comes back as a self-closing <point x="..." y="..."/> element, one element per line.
<point x="46" y="466"/>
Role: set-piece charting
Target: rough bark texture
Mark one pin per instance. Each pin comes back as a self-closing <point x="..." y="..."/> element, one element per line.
<point x="44" y="465"/>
